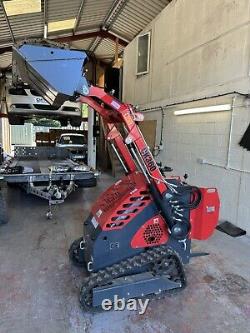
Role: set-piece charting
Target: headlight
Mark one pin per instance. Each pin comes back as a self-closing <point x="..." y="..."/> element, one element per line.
<point x="60" y="168"/>
<point x="81" y="168"/>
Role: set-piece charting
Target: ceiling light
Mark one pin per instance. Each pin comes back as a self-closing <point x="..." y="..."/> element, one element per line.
<point x="18" y="7"/>
<point x="205" y="109"/>
<point x="61" y="25"/>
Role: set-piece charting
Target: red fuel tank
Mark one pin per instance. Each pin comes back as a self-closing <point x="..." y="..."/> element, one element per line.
<point x="205" y="217"/>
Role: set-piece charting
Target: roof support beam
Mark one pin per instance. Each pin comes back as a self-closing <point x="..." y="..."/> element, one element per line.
<point x="68" y="39"/>
<point x="116" y="7"/>
<point x="8" y="22"/>
<point x="111" y="36"/>
<point x="45" y="19"/>
<point x="94" y="45"/>
<point x="99" y="33"/>
<point x="78" y="17"/>
<point x="80" y="36"/>
<point x="121" y="38"/>
<point x="114" y="11"/>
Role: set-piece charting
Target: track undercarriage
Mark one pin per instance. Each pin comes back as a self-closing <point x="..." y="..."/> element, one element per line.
<point x="154" y="273"/>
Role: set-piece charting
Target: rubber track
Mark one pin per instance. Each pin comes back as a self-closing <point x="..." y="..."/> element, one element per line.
<point x="3" y="210"/>
<point x="126" y="267"/>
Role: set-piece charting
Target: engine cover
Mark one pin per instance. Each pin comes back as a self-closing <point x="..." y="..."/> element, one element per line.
<point x="125" y="221"/>
<point x="119" y="204"/>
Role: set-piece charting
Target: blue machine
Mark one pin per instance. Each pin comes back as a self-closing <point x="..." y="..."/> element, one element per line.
<point x="55" y="73"/>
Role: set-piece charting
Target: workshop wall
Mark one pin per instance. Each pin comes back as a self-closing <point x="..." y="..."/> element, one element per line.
<point x="200" y="49"/>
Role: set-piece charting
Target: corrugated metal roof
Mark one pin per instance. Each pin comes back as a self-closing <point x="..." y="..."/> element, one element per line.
<point x="4" y="32"/>
<point x="83" y="44"/>
<point x="127" y="21"/>
<point x="59" y="10"/>
<point x="94" y="13"/>
<point x="5" y="59"/>
<point x="106" y="50"/>
<point x="26" y="26"/>
<point x="136" y="15"/>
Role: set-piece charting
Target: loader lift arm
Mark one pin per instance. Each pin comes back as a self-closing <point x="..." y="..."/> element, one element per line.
<point x="114" y="112"/>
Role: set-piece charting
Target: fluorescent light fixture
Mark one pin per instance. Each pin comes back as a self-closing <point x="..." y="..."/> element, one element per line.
<point x="205" y="109"/>
<point x="18" y="7"/>
<point x="61" y="25"/>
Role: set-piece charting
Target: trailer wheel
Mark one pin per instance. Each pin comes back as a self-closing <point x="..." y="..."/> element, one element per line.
<point x="15" y="120"/>
<point x="92" y="182"/>
<point x="64" y="122"/>
<point x="12" y="185"/>
<point x="76" y="122"/>
<point x="3" y="210"/>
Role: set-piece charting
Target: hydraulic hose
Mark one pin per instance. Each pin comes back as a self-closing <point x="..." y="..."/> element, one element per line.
<point x="196" y="196"/>
<point x="162" y="206"/>
<point x="172" y="210"/>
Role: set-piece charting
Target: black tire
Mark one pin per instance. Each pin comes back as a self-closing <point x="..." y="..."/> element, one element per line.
<point x="76" y="255"/>
<point x="15" y="120"/>
<point x="76" y="122"/>
<point x="64" y="122"/>
<point x="12" y="185"/>
<point x="3" y="210"/>
<point x="86" y="183"/>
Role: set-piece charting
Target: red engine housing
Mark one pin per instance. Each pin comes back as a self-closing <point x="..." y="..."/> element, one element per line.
<point x="119" y="204"/>
<point x="153" y="232"/>
<point x="128" y="197"/>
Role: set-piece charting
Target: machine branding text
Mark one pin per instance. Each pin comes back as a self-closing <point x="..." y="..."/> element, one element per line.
<point x="148" y="159"/>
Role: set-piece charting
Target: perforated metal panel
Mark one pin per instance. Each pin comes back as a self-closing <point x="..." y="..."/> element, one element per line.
<point x="152" y="234"/>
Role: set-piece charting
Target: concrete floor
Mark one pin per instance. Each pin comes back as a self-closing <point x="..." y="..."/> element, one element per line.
<point x="39" y="287"/>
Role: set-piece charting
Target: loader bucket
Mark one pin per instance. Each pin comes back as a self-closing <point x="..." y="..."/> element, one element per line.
<point x="55" y="73"/>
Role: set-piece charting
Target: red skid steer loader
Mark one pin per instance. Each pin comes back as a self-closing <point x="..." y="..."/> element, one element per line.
<point x="138" y="234"/>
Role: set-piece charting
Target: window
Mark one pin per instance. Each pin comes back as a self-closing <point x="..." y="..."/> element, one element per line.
<point x="61" y="25"/>
<point x="73" y="140"/>
<point x="17" y="7"/>
<point x="143" y="53"/>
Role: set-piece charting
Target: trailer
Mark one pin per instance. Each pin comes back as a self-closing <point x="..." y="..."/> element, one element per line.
<point x="3" y="210"/>
<point x="46" y="172"/>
